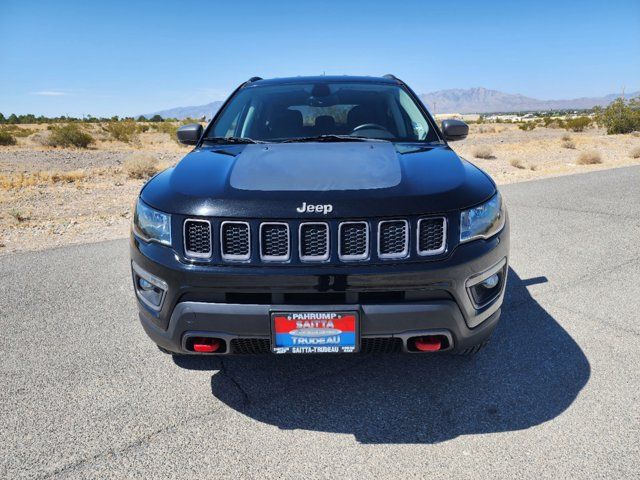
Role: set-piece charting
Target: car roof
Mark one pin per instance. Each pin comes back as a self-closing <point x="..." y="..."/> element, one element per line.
<point x="325" y="79"/>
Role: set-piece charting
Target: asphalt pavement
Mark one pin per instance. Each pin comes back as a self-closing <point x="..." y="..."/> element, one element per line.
<point x="84" y="393"/>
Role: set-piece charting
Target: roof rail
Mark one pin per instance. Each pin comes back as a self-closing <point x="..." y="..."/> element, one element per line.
<point x="254" y="79"/>
<point x="390" y="76"/>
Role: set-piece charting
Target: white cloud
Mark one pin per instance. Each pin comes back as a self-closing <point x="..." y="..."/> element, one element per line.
<point x="50" y="93"/>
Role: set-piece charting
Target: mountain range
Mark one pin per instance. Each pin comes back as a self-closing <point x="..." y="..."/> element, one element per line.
<point x="470" y="100"/>
<point x="483" y="100"/>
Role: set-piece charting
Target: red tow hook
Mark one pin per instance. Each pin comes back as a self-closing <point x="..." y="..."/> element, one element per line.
<point x="206" y="345"/>
<point x="430" y="343"/>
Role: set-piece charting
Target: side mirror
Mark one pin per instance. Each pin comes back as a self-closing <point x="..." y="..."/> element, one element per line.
<point x="454" y="130"/>
<point x="190" y="134"/>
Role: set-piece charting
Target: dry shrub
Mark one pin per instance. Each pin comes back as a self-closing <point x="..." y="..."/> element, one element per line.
<point x="141" y="165"/>
<point x="518" y="164"/>
<point x="533" y="168"/>
<point x="6" y="138"/>
<point x="70" y="135"/>
<point x="486" y="129"/>
<point x="589" y="158"/>
<point x="123" y="130"/>
<point x="40" y="138"/>
<point x="22" y="180"/>
<point x="483" y="152"/>
<point x="568" y="144"/>
<point x="566" y="137"/>
<point x="635" y="153"/>
<point x="68" y="177"/>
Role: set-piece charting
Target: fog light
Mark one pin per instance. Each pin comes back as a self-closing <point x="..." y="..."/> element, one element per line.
<point x="150" y="289"/>
<point x="491" y="282"/>
<point x="486" y="286"/>
<point x="144" y="285"/>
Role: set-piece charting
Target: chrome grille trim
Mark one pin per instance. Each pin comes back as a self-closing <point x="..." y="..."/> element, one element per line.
<point x="405" y="250"/>
<point x="348" y="258"/>
<point x="314" y="258"/>
<point x="190" y="253"/>
<point x="275" y="258"/>
<point x="232" y="257"/>
<point x="442" y="247"/>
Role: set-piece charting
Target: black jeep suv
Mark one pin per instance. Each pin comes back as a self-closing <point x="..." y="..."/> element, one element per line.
<point x="320" y="214"/>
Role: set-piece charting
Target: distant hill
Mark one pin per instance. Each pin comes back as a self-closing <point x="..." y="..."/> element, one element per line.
<point x="180" y="113"/>
<point x="469" y="100"/>
<point x="483" y="100"/>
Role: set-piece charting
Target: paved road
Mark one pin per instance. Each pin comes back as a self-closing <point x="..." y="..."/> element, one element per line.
<point x="84" y="394"/>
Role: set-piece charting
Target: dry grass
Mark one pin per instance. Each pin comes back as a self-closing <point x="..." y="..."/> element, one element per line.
<point x="591" y="157"/>
<point x="518" y="164"/>
<point x="23" y="180"/>
<point x="635" y="152"/>
<point x="19" y="216"/>
<point x="566" y="137"/>
<point x="141" y="165"/>
<point x="570" y="144"/>
<point x="483" y="151"/>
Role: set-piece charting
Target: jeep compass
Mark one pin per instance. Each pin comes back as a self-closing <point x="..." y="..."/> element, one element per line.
<point x="320" y="215"/>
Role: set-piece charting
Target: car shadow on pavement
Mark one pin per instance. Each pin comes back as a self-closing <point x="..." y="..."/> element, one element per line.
<point x="530" y="373"/>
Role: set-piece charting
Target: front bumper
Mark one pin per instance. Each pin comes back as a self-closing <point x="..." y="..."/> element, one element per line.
<point x="234" y="302"/>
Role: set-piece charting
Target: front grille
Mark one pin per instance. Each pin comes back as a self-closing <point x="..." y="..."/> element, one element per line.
<point x="353" y="241"/>
<point x="197" y="238"/>
<point x="235" y="240"/>
<point x="250" y="346"/>
<point x="274" y="242"/>
<point x="381" y="345"/>
<point x="393" y="239"/>
<point x="314" y="241"/>
<point x="431" y="236"/>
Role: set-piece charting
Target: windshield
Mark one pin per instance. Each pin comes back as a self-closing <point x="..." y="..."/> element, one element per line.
<point x="306" y="110"/>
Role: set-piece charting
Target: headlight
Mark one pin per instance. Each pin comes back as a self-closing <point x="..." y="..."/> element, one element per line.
<point x="151" y="225"/>
<point x="483" y="221"/>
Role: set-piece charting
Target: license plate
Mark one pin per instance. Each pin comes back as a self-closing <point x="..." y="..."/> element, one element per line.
<point x="314" y="332"/>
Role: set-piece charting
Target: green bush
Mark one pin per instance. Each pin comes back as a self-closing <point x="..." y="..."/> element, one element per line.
<point x="6" y="138"/>
<point x="123" y="131"/>
<point x="621" y="116"/>
<point x="526" y="126"/>
<point x="577" y="124"/>
<point x="166" y="127"/>
<point x="69" y="135"/>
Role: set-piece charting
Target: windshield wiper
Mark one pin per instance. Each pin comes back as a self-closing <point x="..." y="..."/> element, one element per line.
<point x="332" y="138"/>
<point x="223" y="140"/>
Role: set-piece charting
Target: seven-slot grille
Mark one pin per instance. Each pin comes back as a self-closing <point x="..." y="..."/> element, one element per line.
<point x="274" y="242"/>
<point x="235" y="240"/>
<point x="197" y="238"/>
<point x="314" y="242"/>
<point x="431" y="236"/>
<point x="392" y="239"/>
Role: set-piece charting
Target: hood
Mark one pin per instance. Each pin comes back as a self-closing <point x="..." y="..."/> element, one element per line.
<point x="357" y="179"/>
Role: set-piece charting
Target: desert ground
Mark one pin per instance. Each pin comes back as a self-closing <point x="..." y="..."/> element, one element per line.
<point x="59" y="196"/>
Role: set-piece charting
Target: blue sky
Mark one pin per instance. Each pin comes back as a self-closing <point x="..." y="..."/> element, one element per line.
<point x="130" y="57"/>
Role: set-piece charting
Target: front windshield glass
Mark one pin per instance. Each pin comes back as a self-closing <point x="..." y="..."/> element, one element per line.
<point x="302" y="110"/>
